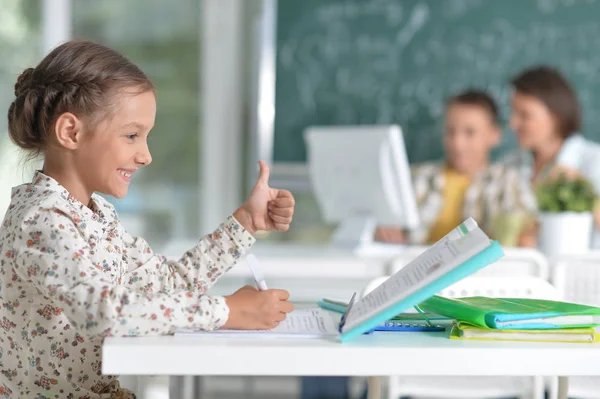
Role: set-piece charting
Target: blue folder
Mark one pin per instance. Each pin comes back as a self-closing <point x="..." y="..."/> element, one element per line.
<point x="489" y="255"/>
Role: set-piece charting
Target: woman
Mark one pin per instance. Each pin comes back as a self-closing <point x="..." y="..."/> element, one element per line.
<point x="546" y="118"/>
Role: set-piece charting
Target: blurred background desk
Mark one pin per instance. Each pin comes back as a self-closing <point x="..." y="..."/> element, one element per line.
<point x="309" y="272"/>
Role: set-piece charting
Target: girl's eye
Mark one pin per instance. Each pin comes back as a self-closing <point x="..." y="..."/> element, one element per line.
<point x="132" y="136"/>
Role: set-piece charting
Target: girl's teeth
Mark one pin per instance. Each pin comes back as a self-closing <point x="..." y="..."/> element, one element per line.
<point x="126" y="174"/>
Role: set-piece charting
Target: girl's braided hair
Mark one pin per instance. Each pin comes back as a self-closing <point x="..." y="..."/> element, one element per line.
<point x="80" y="77"/>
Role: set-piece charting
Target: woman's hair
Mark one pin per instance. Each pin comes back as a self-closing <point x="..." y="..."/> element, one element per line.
<point x="80" y="77"/>
<point x="477" y="98"/>
<point x="550" y="87"/>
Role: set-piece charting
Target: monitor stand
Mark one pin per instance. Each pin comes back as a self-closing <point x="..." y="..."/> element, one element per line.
<point x="357" y="234"/>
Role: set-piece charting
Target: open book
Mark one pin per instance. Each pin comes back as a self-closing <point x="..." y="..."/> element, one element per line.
<point x="463" y="251"/>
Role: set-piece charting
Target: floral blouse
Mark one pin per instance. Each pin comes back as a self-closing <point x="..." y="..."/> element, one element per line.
<point x="71" y="275"/>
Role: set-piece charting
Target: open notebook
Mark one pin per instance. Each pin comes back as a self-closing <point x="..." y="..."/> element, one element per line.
<point x="463" y="251"/>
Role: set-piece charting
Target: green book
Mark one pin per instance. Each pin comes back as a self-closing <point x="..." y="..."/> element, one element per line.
<point x="514" y="313"/>
<point x="464" y="330"/>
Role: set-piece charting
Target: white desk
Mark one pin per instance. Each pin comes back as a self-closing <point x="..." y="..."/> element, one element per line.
<point x="371" y="355"/>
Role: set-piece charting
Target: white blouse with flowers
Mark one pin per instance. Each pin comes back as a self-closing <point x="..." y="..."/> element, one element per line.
<point x="71" y="275"/>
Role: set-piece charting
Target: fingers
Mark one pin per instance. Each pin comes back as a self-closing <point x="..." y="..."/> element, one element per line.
<point x="280" y="317"/>
<point x="279" y="211"/>
<point x="265" y="325"/>
<point x="281" y="216"/>
<point x="285" y="195"/>
<point x="280" y="219"/>
<point x="286" y="307"/>
<point x="286" y="201"/>
<point x="282" y="295"/>
<point x="275" y="308"/>
<point x="272" y="325"/>
<point x="281" y="226"/>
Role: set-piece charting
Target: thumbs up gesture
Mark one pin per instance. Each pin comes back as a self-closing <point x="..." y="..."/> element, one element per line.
<point x="266" y="208"/>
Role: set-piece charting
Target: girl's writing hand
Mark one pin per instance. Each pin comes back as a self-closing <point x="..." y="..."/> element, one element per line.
<point x="251" y="309"/>
<point x="266" y="208"/>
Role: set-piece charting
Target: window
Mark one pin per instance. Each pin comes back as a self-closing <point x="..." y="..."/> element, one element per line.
<point x="20" y="48"/>
<point x="163" y="38"/>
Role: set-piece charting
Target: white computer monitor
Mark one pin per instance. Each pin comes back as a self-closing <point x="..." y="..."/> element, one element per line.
<point x="361" y="179"/>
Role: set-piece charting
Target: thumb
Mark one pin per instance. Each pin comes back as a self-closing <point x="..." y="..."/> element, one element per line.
<point x="263" y="177"/>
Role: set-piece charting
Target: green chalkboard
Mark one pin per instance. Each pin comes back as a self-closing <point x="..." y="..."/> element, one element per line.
<point x="396" y="61"/>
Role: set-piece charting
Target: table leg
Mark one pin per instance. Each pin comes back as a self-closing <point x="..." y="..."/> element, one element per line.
<point x="153" y="387"/>
<point x="249" y="386"/>
<point x="198" y="388"/>
<point x="563" y="387"/>
<point x="374" y="388"/>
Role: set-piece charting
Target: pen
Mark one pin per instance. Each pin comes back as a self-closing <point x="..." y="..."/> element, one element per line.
<point x="256" y="272"/>
<point x="423" y="314"/>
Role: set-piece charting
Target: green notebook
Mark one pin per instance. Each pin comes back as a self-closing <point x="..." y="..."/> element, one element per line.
<point x="464" y="330"/>
<point x="514" y="313"/>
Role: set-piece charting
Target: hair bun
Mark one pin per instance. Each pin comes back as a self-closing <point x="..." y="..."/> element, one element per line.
<point x="24" y="81"/>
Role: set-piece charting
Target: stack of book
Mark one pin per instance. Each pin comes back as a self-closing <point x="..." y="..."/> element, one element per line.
<point x="517" y="319"/>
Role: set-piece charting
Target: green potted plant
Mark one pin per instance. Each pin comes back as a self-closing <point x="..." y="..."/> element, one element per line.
<point x="565" y="204"/>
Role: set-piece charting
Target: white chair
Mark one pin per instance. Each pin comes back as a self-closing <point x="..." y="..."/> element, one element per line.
<point x="577" y="279"/>
<point x="477" y="387"/>
<point x="515" y="262"/>
<point x="519" y="262"/>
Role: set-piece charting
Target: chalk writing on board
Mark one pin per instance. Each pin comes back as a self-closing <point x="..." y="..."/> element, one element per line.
<point x="387" y="61"/>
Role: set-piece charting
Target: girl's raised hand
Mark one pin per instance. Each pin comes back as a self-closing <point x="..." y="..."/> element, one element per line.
<point x="267" y="208"/>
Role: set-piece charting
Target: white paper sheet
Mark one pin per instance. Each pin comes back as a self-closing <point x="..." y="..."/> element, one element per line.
<point x="308" y="323"/>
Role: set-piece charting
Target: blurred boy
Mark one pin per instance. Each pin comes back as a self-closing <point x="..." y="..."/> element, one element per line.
<point x="466" y="184"/>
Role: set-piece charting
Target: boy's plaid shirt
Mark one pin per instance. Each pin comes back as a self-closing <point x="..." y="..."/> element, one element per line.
<point x="497" y="190"/>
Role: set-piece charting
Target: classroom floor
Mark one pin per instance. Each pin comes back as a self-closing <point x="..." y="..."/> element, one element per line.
<point x="249" y="388"/>
<point x="229" y="396"/>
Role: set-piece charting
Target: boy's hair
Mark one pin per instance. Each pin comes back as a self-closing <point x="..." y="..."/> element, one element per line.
<point x="478" y="98"/>
<point x="550" y="87"/>
<point x="80" y="77"/>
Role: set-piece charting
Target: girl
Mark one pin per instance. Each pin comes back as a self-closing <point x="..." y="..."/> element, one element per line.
<point x="70" y="274"/>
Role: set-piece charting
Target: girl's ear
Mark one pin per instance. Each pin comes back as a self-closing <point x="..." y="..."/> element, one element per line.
<point x="68" y="130"/>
